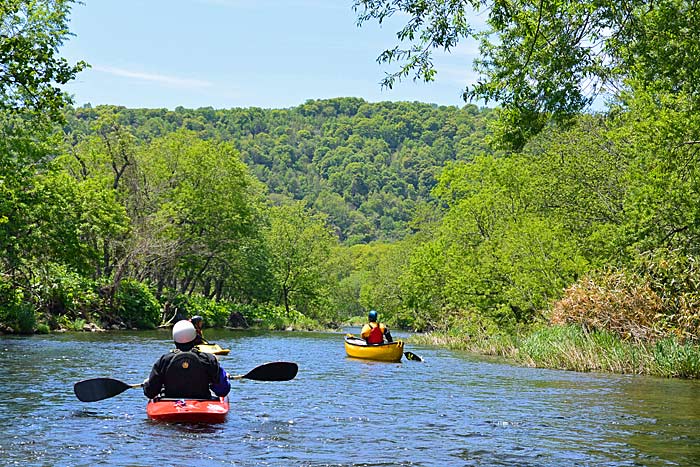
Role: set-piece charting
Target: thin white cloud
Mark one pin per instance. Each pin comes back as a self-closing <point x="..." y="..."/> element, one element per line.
<point x="173" y="81"/>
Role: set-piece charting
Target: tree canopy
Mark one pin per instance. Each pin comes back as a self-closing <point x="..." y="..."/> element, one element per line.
<point x="31" y="71"/>
<point x="549" y="60"/>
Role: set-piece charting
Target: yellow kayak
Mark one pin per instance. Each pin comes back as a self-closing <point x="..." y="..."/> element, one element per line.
<point x="216" y="349"/>
<point x="387" y="352"/>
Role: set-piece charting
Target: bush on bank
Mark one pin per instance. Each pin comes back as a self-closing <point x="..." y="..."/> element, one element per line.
<point x="68" y="301"/>
<point x="640" y="321"/>
<point x="225" y="313"/>
<point x="658" y="298"/>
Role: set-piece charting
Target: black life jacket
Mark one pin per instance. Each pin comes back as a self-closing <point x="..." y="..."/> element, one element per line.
<point x="186" y="377"/>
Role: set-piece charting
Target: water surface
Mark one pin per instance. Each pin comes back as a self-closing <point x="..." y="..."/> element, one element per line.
<point x="454" y="409"/>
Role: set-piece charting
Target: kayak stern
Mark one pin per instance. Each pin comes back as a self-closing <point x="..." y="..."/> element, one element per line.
<point x="387" y="352"/>
<point x="188" y="410"/>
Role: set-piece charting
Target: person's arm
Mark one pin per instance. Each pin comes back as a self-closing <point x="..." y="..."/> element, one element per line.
<point x="154" y="383"/>
<point x="366" y="329"/>
<point x="387" y="333"/>
<point x="222" y="386"/>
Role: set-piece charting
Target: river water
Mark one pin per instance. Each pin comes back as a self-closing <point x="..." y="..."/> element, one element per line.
<point x="453" y="409"/>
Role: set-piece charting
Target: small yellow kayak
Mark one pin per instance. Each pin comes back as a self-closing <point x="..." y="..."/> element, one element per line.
<point x="387" y="352"/>
<point x="216" y="349"/>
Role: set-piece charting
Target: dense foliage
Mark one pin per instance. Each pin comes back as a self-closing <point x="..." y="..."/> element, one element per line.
<point x="547" y="61"/>
<point x="173" y="199"/>
<point x="582" y="228"/>
<point x="604" y="206"/>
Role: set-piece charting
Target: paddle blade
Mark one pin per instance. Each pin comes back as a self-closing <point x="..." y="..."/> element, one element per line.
<point x="91" y="390"/>
<point x="412" y="356"/>
<point x="274" y="371"/>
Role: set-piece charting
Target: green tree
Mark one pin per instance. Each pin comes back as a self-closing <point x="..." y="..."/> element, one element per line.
<point x="30" y="102"/>
<point x="203" y="218"/>
<point x="31" y="32"/>
<point x="548" y="60"/>
<point x="300" y="243"/>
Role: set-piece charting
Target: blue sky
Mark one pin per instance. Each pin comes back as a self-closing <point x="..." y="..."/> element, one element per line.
<point x="242" y="53"/>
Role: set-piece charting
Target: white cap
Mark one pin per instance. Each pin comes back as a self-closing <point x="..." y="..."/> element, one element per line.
<point x="184" y="332"/>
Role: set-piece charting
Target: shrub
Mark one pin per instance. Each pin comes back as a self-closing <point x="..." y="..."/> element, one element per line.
<point x="16" y="313"/>
<point x="615" y="301"/>
<point x="215" y="313"/>
<point x="64" y="292"/>
<point x="226" y="313"/>
<point x="20" y="317"/>
<point x="659" y="298"/>
<point x="675" y="277"/>
<point x="136" y="305"/>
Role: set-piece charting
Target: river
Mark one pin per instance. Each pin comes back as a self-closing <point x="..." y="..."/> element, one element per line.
<point x="454" y="409"/>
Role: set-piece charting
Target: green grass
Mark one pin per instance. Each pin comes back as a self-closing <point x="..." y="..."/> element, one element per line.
<point x="572" y="348"/>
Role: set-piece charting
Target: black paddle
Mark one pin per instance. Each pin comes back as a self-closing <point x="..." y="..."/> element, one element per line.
<point x="96" y="389"/>
<point x="412" y="356"/>
<point x="273" y="371"/>
<point x="91" y="390"/>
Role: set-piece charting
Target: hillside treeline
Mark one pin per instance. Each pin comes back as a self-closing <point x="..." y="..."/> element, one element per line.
<point x="368" y="166"/>
<point x="334" y="207"/>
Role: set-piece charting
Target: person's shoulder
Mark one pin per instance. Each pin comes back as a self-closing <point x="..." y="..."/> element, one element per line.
<point x="205" y="355"/>
<point x="167" y="356"/>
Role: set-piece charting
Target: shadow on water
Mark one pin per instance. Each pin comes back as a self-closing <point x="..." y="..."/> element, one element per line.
<point x="179" y="428"/>
<point x="90" y="414"/>
<point x="453" y="409"/>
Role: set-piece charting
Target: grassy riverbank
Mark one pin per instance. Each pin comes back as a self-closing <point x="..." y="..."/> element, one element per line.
<point x="571" y="348"/>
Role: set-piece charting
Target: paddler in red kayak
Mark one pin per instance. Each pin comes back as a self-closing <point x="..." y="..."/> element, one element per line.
<point x="186" y="373"/>
<point x="375" y="332"/>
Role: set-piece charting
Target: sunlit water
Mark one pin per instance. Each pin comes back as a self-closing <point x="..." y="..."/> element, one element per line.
<point x="451" y="410"/>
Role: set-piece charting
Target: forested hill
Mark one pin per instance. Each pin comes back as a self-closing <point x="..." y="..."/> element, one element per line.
<point x="368" y="166"/>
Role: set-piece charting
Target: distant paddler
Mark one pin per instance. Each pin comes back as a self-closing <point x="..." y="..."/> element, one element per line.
<point x="375" y="332"/>
<point x="198" y="323"/>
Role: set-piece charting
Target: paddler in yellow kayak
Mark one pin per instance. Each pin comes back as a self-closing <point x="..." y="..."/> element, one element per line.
<point x="375" y="332"/>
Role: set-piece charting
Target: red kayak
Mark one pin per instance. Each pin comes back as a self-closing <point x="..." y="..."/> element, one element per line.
<point x="188" y="410"/>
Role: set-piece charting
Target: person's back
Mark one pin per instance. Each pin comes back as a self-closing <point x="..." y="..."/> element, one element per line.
<point x="374" y="332"/>
<point x="186" y="373"/>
